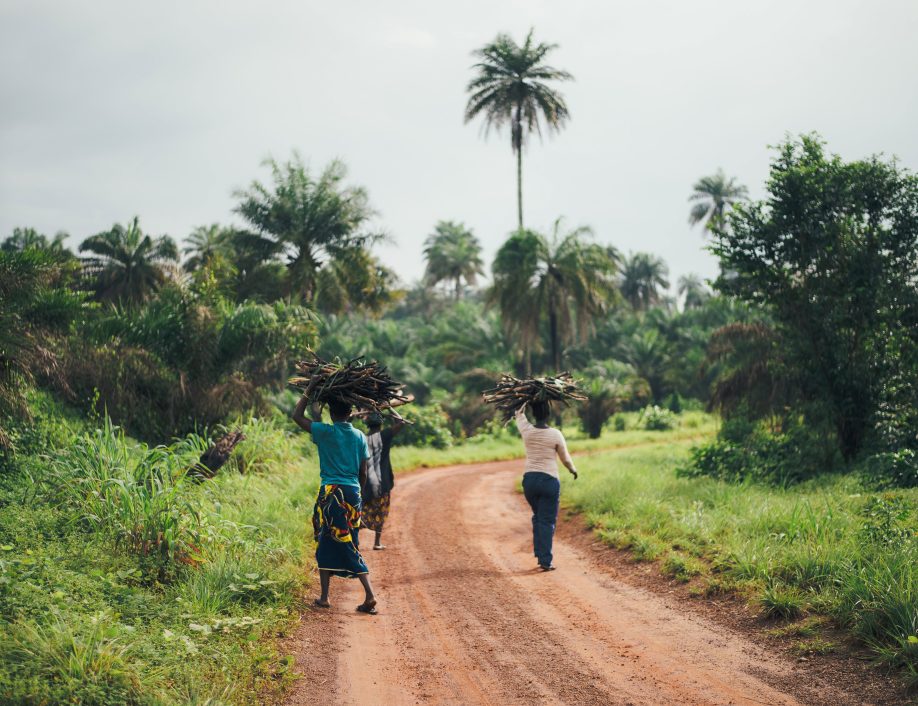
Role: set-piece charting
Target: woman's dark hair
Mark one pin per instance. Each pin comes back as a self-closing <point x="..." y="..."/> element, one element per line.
<point x="541" y="410"/>
<point x="339" y="409"/>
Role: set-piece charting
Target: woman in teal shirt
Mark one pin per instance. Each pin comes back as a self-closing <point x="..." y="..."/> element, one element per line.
<point x="343" y="457"/>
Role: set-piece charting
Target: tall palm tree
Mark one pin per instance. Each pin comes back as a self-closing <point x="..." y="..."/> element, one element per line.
<point x="31" y="239"/>
<point x="510" y="86"/>
<point x="561" y="278"/>
<point x="453" y="253"/>
<point x="205" y="245"/>
<point x="126" y="264"/>
<point x="642" y="277"/>
<point x="309" y="218"/>
<point x="714" y="194"/>
<point x="693" y="288"/>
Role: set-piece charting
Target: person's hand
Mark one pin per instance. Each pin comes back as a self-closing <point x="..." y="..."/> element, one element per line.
<point x="574" y="473"/>
<point x="315" y="410"/>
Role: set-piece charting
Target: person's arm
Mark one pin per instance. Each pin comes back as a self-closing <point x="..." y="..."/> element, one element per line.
<point x="300" y="418"/>
<point x="362" y="474"/>
<point x="397" y="425"/>
<point x="561" y="448"/>
<point x="522" y="422"/>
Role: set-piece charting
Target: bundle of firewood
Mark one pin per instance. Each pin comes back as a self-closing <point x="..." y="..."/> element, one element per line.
<point x="362" y="384"/>
<point x="510" y="393"/>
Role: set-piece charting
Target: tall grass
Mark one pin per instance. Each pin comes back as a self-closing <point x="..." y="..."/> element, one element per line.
<point x="827" y="546"/>
<point x="123" y="582"/>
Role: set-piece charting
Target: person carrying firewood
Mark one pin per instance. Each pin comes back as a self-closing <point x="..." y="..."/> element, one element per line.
<point x="541" y="484"/>
<point x="343" y="455"/>
<point x="377" y="489"/>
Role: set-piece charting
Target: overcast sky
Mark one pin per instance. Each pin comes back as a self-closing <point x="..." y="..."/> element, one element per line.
<point x="116" y="108"/>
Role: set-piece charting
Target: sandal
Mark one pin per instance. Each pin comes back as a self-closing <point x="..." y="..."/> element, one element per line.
<point x="368" y="609"/>
<point x="319" y="604"/>
<point x="379" y="547"/>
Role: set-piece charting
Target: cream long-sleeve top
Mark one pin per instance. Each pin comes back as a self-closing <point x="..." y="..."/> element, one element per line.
<point x="543" y="446"/>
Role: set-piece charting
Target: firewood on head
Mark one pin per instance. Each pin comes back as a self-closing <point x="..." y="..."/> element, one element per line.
<point x="510" y="393"/>
<point x="358" y="383"/>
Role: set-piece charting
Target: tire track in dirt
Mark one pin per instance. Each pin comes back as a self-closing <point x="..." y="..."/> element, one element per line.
<point x="466" y="618"/>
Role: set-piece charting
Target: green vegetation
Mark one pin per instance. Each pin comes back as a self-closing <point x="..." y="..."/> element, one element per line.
<point x="124" y="582"/>
<point x="830" y="260"/>
<point x="826" y="546"/>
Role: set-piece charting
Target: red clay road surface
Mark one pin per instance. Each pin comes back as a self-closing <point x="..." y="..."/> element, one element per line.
<point x="465" y="618"/>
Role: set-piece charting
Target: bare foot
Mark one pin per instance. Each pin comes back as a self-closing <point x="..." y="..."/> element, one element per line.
<point x="320" y="603"/>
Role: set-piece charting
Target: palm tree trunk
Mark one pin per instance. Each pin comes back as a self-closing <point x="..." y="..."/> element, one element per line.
<point x="519" y="186"/>
<point x="555" y="344"/>
<point x="458" y="288"/>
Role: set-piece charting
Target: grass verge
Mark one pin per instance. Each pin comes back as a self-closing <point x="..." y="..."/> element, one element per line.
<point x="123" y="582"/>
<point x="825" y="547"/>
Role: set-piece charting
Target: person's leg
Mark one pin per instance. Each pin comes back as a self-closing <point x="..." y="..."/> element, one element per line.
<point x="530" y="488"/>
<point x="548" y="517"/>
<point x="378" y="543"/>
<point x="324" y="581"/>
<point x="369" y="601"/>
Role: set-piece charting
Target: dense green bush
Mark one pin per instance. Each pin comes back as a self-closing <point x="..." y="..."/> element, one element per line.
<point x="429" y="426"/>
<point x="746" y="451"/>
<point x="658" y="419"/>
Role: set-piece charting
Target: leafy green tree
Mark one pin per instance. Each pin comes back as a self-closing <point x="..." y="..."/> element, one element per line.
<point x="354" y="279"/>
<point x="453" y="254"/>
<point x="693" y="290"/>
<point x="308" y="219"/>
<point x="511" y="86"/>
<point x="36" y="303"/>
<point x="125" y="264"/>
<point x="714" y="195"/>
<point x="641" y="279"/>
<point x="560" y="278"/>
<point x="832" y="255"/>
<point x="31" y="239"/>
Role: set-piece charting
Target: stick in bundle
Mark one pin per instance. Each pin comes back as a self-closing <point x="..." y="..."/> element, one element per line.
<point x="361" y="384"/>
<point x="510" y="393"/>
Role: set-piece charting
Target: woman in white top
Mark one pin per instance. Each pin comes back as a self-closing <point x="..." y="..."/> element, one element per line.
<point x="541" y="484"/>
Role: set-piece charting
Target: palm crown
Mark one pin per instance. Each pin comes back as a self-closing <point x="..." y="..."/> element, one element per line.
<point x="713" y="195"/>
<point x="510" y="87"/>
<point x="453" y="254"/>
<point x="563" y="278"/>
<point x="642" y="277"/>
<point x="126" y="264"/>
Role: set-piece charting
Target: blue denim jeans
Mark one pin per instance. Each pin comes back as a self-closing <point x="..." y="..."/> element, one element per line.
<point x="542" y="491"/>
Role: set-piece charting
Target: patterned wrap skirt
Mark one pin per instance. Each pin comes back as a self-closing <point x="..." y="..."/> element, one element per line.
<point x="375" y="512"/>
<point x="335" y="521"/>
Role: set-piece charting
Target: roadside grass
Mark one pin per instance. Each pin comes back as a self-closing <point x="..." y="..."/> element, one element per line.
<point x="506" y="445"/>
<point x="123" y="582"/>
<point x="826" y="547"/>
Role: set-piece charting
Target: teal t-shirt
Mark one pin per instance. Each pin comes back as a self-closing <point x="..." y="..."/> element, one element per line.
<point x="341" y="450"/>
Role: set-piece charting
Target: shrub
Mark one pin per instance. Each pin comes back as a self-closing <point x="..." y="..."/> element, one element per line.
<point x="619" y="423"/>
<point x="895" y="469"/>
<point x="657" y="419"/>
<point x="429" y="427"/>
<point x="779" y="458"/>
<point x="674" y="404"/>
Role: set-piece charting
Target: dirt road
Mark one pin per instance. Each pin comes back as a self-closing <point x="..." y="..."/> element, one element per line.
<point x="465" y="618"/>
